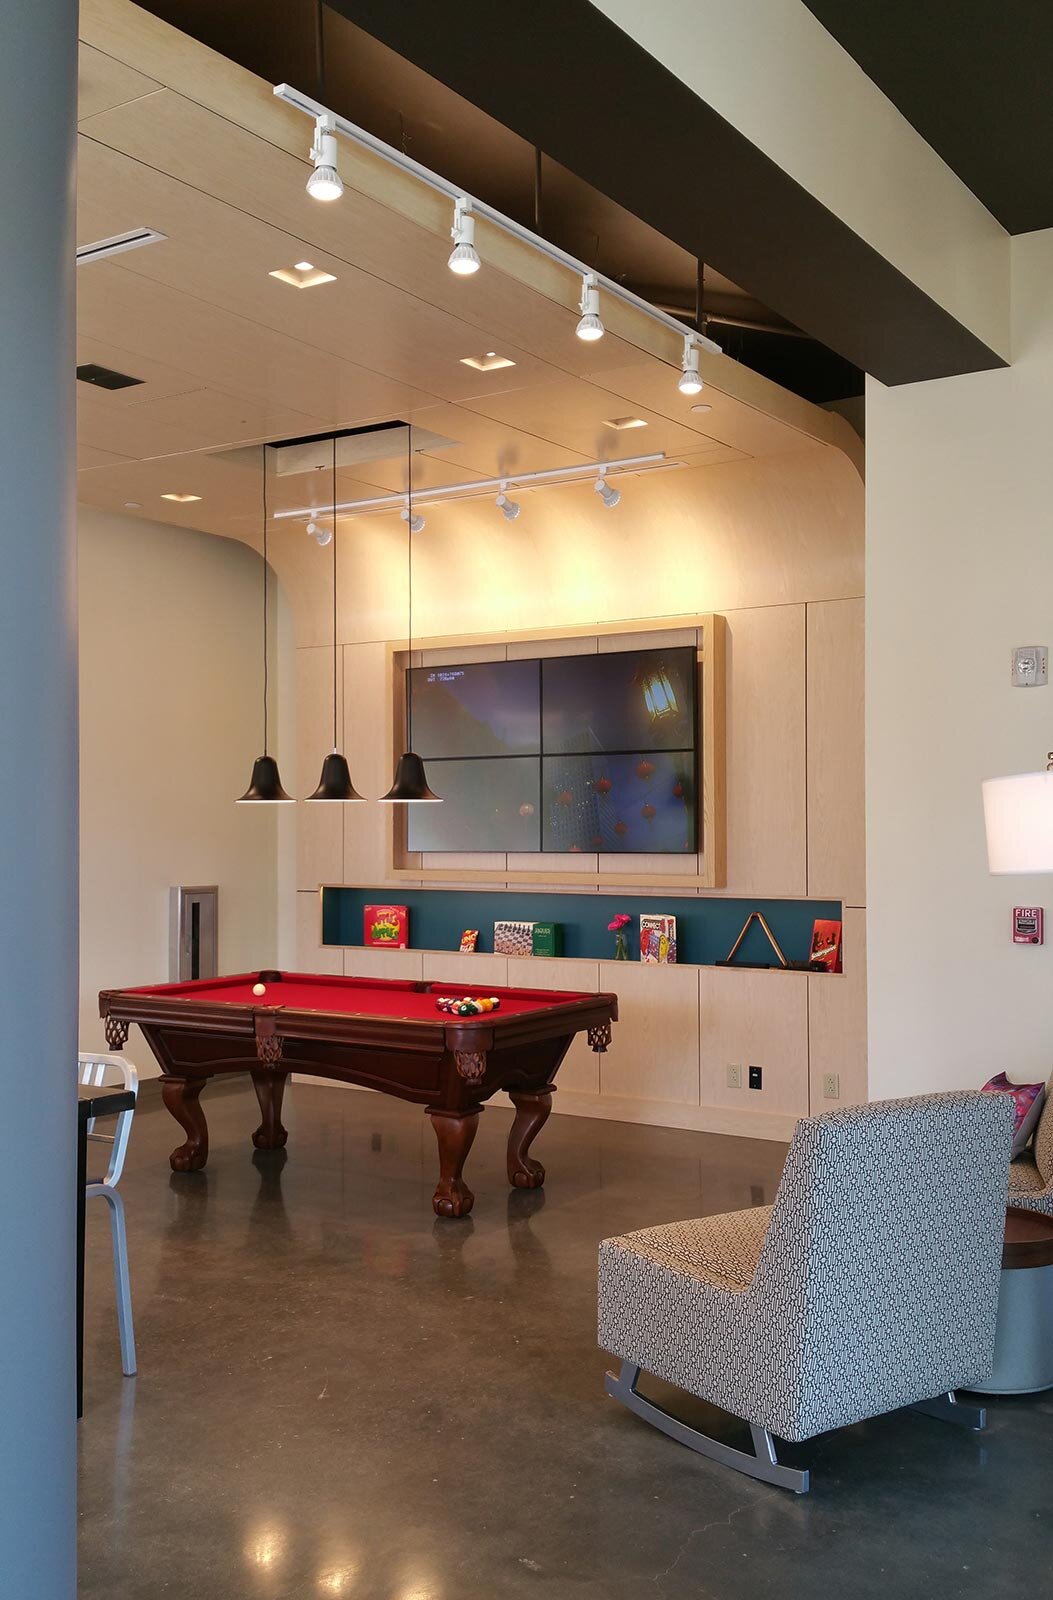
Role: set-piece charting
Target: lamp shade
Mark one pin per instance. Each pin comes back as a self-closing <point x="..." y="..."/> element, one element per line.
<point x="265" y="784"/>
<point x="411" y="781"/>
<point x="1018" y="815"/>
<point x="335" y="782"/>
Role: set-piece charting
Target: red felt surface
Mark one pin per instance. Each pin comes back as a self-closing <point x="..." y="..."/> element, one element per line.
<point x="382" y="997"/>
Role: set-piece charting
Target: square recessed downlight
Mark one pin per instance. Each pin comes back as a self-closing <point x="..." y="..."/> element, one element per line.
<point x="624" y="422"/>
<point x="181" y="499"/>
<point x="303" y="275"/>
<point x="489" y="362"/>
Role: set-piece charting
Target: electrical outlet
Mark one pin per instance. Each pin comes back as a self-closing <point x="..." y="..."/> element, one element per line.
<point x="734" y="1076"/>
<point x="755" y="1078"/>
<point x="831" y="1086"/>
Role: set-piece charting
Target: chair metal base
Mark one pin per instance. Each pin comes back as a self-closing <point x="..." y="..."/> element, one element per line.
<point x="106" y="1191"/>
<point x="950" y="1409"/>
<point x="764" y="1464"/>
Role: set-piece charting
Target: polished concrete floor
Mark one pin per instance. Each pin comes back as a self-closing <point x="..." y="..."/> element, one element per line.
<point x="339" y="1395"/>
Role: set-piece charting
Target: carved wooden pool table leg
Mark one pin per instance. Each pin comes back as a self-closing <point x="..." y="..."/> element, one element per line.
<point x="531" y="1115"/>
<point x="182" y="1097"/>
<point x="270" y="1090"/>
<point x="454" y="1132"/>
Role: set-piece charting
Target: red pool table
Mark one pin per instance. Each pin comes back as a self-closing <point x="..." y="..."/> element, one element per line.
<point x="383" y="1033"/>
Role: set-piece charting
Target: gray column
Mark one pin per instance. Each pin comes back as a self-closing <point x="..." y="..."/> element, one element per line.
<point x="38" y="799"/>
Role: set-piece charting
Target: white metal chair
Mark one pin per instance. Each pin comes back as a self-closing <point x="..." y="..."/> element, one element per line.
<point x="98" y="1071"/>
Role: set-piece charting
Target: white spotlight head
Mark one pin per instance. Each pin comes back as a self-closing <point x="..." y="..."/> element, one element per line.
<point x="325" y="182"/>
<point x="321" y="535"/>
<point x="416" y="521"/>
<point x="464" y="258"/>
<point x="690" y="377"/>
<point x="590" y="327"/>
<point x="609" y="496"/>
<point x="509" y="509"/>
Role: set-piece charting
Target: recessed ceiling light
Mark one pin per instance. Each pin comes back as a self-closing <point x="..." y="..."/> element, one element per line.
<point x="181" y="499"/>
<point x="133" y="505"/>
<point x="624" y="422"/>
<point x="490" y="362"/>
<point x="700" y="411"/>
<point x="304" y="275"/>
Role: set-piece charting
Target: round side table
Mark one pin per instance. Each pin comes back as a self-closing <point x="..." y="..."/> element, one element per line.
<point x="1023" y="1355"/>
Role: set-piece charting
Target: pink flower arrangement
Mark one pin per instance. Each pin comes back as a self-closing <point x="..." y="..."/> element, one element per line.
<point x="622" y="920"/>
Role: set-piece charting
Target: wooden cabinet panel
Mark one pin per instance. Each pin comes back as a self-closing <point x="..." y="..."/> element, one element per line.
<point x="365" y="962"/>
<point x="319" y="828"/>
<point x="767" y="849"/>
<point x="580" y="1070"/>
<point x="468" y="972"/>
<point x="755" y="1018"/>
<point x="837" y="1020"/>
<point x="836" y="837"/>
<point x="654" y="1052"/>
<point x="311" y="954"/>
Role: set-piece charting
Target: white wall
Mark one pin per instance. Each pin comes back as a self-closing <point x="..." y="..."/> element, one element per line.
<point x="170" y="673"/>
<point x="959" y="569"/>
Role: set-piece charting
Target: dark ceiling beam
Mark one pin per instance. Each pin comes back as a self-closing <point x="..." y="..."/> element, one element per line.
<point x="564" y="77"/>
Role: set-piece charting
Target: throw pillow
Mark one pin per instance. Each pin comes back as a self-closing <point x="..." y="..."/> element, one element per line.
<point x="1028" y="1098"/>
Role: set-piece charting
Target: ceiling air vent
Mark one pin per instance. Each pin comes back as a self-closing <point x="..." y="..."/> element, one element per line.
<point x="104" y="378"/>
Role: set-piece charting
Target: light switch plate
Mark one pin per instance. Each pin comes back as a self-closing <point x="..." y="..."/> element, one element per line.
<point x="1030" y="666"/>
<point x="734" y="1076"/>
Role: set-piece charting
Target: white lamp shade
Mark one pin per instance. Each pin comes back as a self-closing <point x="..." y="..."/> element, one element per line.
<point x="1018" y="815"/>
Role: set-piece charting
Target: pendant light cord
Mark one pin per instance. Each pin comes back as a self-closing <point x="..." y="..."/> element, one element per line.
<point x="263" y="457"/>
<point x="335" y="651"/>
<point x="409" y="583"/>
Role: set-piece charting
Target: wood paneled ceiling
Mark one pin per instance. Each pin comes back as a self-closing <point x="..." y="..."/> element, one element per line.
<point x="179" y="139"/>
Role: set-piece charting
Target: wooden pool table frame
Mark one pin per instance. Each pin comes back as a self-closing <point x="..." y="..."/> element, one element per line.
<point x="450" y="1065"/>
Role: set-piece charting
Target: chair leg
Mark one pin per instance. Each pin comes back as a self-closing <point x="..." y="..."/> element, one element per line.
<point x="950" y="1409"/>
<point x="122" y="1278"/>
<point x="764" y="1464"/>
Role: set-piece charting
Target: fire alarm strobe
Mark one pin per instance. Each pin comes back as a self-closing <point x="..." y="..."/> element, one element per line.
<point x="1027" y="925"/>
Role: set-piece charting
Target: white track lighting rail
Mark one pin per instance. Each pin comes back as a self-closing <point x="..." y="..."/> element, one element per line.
<point x="481" y="486"/>
<point x="467" y="208"/>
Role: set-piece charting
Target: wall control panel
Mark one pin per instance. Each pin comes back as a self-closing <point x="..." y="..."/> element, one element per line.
<point x="1030" y="666"/>
<point x="1027" y="925"/>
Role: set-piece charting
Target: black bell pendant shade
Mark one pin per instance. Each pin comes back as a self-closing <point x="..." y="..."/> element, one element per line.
<point x="265" y="784"/>
<point x="411" y="781"/>
<point x="411" y="785"/>
<point x="335" y="782"/>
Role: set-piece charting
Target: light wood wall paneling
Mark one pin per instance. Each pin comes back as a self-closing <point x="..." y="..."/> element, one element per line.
<point x="368" y="746"/>
<point x="362" y="962"/>
<point x="767" y="845"/>
<point x="755" y="1018"/>
<point x="836" y="803"/>
<point x="464" y="973"/>
<point x="580" y="1072"/>
<point x="319" y="828"/>
<point x="713" y="649"/>
<point x="654" y="1052"/>
<point x="837" y="1020"/>
<point x="311" y="954"/>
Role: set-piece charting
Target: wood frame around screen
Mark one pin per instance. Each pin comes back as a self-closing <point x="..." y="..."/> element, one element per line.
<point x="711" y="700"/>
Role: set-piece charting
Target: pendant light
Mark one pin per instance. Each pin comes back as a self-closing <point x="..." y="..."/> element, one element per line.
<point x="335" y="782"/>
<point x="411" y="780"/>
<point x="265" y="785"/>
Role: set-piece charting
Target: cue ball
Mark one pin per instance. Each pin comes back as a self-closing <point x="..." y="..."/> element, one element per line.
<point x="259" y="988"/>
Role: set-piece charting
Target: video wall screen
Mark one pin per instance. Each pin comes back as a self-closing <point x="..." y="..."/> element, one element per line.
<point x="565" y="754"/>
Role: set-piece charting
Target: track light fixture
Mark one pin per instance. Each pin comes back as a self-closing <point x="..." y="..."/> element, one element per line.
<point x="325" y="182"/>
<point x="590" y="326"/>
<point x="321" y="535"/>
<point x="690" y="377"/>
<point x="464" y="258"/>
<point x="609" y="496"/>
<point x="414" y="518"/>
<point x="509" y="509"/>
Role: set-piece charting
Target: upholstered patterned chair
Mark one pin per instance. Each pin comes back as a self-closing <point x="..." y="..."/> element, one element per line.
<point x="1031" y="1175"/>
<point x="870" y="1284"/>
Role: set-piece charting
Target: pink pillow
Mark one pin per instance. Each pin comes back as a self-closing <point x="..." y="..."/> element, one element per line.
<point x="1029" y="1098"/>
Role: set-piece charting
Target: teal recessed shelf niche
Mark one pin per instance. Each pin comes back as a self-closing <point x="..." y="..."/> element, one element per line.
<point x="706" y="928"/>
